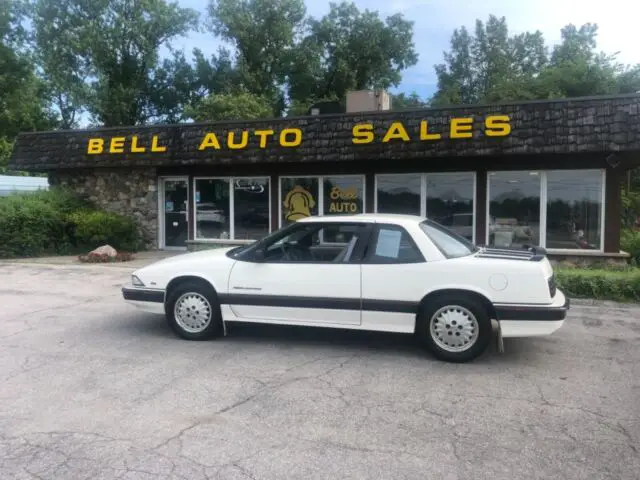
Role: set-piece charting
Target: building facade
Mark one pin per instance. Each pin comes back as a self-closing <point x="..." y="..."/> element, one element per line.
<point x="547" y="173"/>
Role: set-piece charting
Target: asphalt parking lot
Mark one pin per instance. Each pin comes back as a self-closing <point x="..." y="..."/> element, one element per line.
<point x="90" y="388"/>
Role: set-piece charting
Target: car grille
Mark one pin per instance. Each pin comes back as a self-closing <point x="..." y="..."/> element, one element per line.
<point x="552" y="285"/>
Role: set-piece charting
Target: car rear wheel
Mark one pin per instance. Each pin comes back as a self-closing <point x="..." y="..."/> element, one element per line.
<point x="455" y="329"/>
<point x="193" y="311"/>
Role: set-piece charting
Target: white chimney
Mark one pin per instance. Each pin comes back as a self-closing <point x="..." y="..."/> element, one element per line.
<point x="368" y="101"/>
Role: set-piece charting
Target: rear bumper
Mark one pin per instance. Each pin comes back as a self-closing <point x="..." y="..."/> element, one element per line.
<point x="552" y="312"/>
<point x="147" y="299"/>
<point x="532" y="320"/>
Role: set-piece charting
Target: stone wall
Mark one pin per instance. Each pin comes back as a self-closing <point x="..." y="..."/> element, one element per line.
<point x="585" y="125"/>
<point x="128" y="191"/>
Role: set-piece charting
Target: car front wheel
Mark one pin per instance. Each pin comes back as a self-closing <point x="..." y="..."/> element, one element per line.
<point x="193" y="311"/>
<point x="455" y="329"/>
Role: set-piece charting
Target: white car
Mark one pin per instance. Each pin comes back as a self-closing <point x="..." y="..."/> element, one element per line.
<point x="392" y="273"/>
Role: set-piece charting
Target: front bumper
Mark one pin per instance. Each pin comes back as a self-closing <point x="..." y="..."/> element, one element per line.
<point x="147" y="299"/>
<point x="533" y="320"/>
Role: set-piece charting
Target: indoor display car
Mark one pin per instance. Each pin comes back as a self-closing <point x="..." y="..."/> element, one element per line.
<point x="380" y="272"/>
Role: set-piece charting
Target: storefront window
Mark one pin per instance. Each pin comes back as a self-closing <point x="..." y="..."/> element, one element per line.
<point x="213" y="201"/>
<point x="514" y="208"/>
<point x="398" y="194"/>
<point x="250" y="208"/>
<point x="574" y="209"/>
<point x="212" y="208"/>
<point x="299" y="198"/>
<point x="450" y="198"/>
<point x="343" y="195"/>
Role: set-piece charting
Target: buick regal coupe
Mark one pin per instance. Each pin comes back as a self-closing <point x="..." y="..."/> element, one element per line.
<point x="391" y="273"/>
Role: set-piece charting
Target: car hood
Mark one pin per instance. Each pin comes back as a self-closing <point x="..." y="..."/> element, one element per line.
<point x="192" y="257"/>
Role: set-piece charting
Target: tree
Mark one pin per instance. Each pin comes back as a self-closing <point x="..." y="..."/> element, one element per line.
<point x="23" y="106"/>
<point x="237" y="106"/>
<point x="492" y="66"/>
<point x="489" y="66"/>
<point x="262" y="33"/>
<point x="402" y="100"/>
<point x="350" y="50"/>
<point x="109" y="53"/>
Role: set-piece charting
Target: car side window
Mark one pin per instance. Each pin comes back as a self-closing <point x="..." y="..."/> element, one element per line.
<point x="318" y="243"/>
<point x="392" y="244"/>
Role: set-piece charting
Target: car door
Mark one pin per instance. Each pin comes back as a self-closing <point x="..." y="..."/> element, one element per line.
<point x="319" y="287"/>
<point x="392" y="275"/>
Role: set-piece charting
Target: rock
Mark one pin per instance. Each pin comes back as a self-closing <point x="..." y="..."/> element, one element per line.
<point x="105" y="250"/>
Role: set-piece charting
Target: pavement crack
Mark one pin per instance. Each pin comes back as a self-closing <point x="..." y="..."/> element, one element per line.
<point x="244" y="471"/>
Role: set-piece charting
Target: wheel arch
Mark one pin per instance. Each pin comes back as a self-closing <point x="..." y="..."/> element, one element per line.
<point x="478" y="296"/>
<point x="174" y="282"/>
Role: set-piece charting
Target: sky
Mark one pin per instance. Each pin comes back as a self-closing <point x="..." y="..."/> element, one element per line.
<point x="435" y="20"/>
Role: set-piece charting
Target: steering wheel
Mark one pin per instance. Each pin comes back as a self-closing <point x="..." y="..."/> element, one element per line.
<point x="295" y="252"/>
<point x="286" y="248"/>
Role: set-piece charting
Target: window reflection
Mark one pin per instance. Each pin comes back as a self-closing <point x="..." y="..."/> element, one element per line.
<point x="250" y="208"/>
<point x="514" y="208"/>
<point x="212" y="208"/>
<point x="574" y="209"/>
<point x="450" y="201"/>
<point x="398" y="194"/>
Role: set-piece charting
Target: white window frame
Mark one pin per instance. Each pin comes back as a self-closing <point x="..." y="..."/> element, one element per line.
<point x="321" y="191"/>
<point x="543" y="207"/>
<point x="423" y="190"/>
<point x="232" y="222"/>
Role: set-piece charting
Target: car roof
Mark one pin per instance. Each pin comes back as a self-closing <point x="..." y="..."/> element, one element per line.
<point x="395" y="218"/>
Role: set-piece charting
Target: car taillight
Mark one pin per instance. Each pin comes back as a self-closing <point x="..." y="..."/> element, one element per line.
<point x="552" y="285"/>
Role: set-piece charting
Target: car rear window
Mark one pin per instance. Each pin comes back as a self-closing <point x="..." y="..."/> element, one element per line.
<point x="449" y="243"/>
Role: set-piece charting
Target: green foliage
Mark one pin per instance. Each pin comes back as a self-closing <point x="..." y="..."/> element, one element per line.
<point x="262" y="33"/>
<point x="103" y="55"/>
<point x="22" y="94"/>
<point x="348" y="49"/>
<point x="630" y="208"/>
<point x="630" y="243"/>
<point x="6" y="147"/>
<point x="241" y="106"/>
<point x="413" y="100"/>
<point x="492" y="66"/>
<point x="58" y="222"/>
<point x="35" y="223"/>
<point x="600" y="284"/>
<point x="96" y="228"/>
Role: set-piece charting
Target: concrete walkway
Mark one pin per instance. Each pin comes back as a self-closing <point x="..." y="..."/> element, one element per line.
<point x="140" y="260"/>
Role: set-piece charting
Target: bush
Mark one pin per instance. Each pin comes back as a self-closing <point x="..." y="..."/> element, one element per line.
<point x="57" y="221"/>
<point x="94" y="228"/>
<point x="600" y="284"/>
<point x="630" y="243"/>
<point x="32" y="224"/>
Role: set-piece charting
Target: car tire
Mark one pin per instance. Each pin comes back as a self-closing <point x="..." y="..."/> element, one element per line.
<point x="193" y="311"/>
<point x="447" y="322"/>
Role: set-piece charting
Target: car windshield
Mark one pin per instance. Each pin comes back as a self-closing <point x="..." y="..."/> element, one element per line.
<point x="448" y="242"/>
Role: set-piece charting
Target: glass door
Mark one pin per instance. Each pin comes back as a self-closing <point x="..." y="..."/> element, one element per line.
<point x="175" y="207"/>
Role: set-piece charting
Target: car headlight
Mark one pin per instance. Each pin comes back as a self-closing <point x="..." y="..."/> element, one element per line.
<point x="136" y="281"/>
